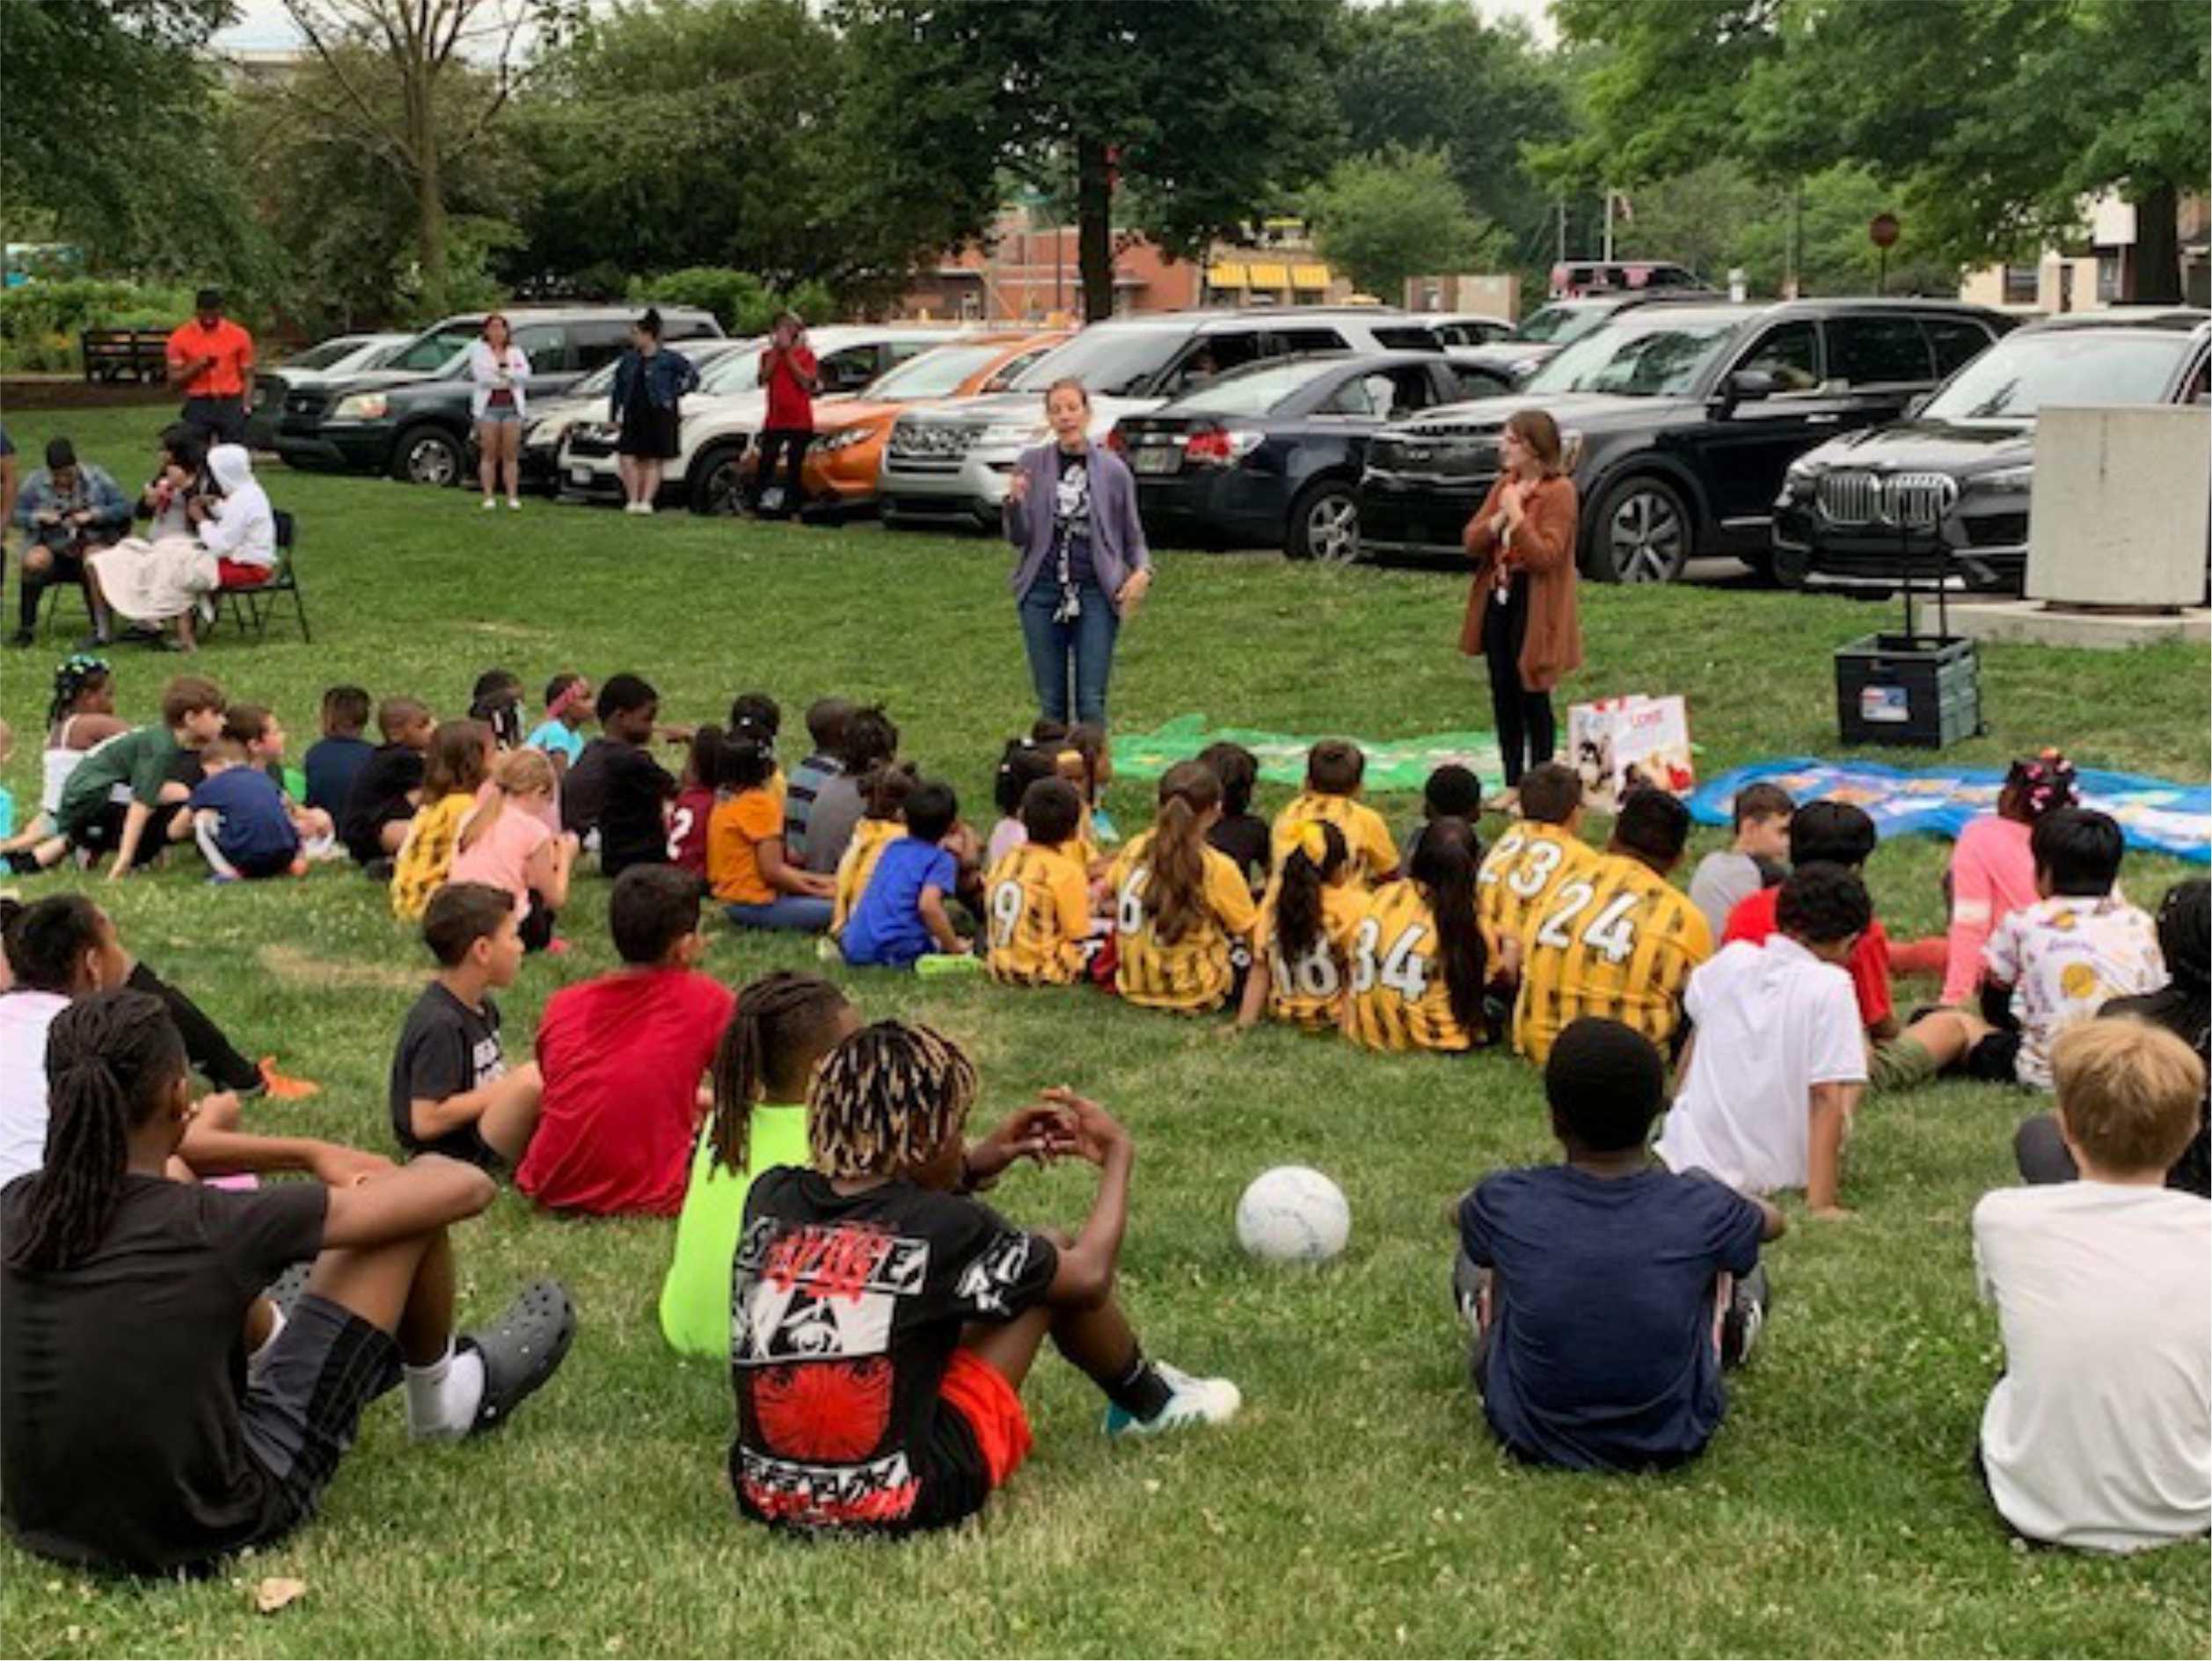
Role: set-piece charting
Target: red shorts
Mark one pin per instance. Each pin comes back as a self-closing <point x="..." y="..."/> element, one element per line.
<point x="976" y="1389"/>
<point x="231" y="574"/>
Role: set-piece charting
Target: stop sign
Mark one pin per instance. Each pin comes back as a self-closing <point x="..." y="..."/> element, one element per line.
<point x="1882" y="230"/>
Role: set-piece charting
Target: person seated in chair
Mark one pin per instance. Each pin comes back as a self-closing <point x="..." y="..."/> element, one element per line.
<point x="67" y="508"/>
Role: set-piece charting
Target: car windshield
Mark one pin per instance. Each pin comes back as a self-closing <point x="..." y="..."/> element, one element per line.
<point x="1556" y="325"/>
<point x="740" y="372"/>
<point x="1254" y="393"/>
<point x="1650" y="363"/>
<point x="1109" y="362"/>
<point x="935" y="374"/>
<point x="434" y="351"/>
<point x="321" y="357"/>
<point x="2019" y="375"/>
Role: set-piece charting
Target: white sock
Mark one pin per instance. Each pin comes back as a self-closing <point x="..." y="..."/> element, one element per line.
<point x="253" y="1363"/>
<point x="442" y="1397"/>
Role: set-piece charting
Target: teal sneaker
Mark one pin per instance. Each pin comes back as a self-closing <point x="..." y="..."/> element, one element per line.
<point x="1190" y="1401"/>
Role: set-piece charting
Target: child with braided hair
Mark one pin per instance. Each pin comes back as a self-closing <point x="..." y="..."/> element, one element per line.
<point x="883" y="1320"/>
<point x="80" y="718"/>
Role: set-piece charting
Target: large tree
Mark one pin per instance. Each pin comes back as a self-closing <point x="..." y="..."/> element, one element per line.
<point x="1211" y="111"/>
<point x="1395" y="214"/>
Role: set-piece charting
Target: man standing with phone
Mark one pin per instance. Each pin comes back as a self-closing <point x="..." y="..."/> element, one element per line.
<point x="211" y="358"/>
<point x="792" y="377"/>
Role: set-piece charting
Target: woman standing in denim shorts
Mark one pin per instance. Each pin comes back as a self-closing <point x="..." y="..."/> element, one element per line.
<point x="498" y="368"/>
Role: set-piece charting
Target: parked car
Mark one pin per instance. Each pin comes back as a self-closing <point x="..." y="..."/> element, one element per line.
<point x="950" y="464"/>
<point x="412" y="417"/>
<point x="1573" y="277"/>
<point x="722" y="417"/>
<point x="549" y="419"/>
<point x="1966" y="458"/>
<point x="1562" y="322"/>
<point x="839" y="473"/>
<point x="332" y="360"/>
<point x="1465" y="328"/>
<point x="1269" y="454"/>
<point x="1688" y="416"/>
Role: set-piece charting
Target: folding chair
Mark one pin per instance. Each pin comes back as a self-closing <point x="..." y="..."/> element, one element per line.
<point x="252" y="608"/>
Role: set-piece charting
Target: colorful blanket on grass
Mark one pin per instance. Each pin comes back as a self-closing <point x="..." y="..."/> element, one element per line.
<point x="1392" y="764"/>
<point x="2156" y="814"/>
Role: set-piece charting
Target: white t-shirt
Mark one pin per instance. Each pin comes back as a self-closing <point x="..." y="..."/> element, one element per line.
<point x="2063" y="957"/>
<point x="25" y="1017"/>
<point x="1773" y="1021"/>
<point x="2099" y="1434"/>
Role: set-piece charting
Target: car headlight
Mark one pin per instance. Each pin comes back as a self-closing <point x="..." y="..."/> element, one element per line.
<point x="2007" y="480"/>
<point x="363" y="406"/>
<point x="843" y="438"/>
<point x="551" y="430"/>
<point x="1012" y="432"/>
<point x="1800" y="472"/>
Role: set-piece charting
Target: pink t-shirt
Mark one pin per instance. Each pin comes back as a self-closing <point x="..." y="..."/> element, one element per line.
<point x="502" y="856"/>
<point x="1992" y="874"/>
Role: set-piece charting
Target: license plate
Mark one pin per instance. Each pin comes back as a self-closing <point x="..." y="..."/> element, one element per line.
<point x="1158" y="458"/>
<point x="580" y="476"/>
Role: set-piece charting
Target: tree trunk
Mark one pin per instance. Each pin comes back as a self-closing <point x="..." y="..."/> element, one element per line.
<point x="2157" y="254"/>
<point x="430" y="223"/>
<point x="1094" y="229"/>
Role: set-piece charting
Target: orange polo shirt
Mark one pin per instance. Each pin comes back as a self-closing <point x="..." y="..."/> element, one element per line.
<point x="227" y="343"/>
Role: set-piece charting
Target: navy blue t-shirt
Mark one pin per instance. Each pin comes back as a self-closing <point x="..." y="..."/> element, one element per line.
<point x="886" y="927"/>
<point x="1602" y="1352"/>
<point x="252" y="827"/>
<point x="331" y="765"/>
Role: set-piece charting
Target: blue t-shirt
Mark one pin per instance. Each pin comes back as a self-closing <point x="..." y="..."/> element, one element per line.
<point x="1601" y="1353"/>
<point x="556" y="737"/>
<point x="330" y="765"/>
<point x="252" y="829"/>
<point x="886" y="927"/>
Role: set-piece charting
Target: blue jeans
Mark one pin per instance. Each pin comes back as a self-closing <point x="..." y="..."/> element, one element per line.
<point x="799" y="914"/>
<point x="1089" y="639"/>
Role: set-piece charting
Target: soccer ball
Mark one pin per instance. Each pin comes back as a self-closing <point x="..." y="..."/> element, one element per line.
<point x="1293" y="1215"/>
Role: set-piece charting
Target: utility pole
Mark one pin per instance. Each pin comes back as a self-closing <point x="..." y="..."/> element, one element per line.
<point x="1608" y="225"/>
<point x="1561" y="255"/>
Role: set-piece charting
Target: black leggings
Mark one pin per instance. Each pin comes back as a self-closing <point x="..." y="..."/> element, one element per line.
<point x="68" y="568"/>
<point x="205" y="1045"/>
<point x="1526" y="727"/>
<point x="791" y="442"/>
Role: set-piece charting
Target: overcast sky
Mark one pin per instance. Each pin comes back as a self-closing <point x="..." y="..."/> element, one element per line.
<point x="263" y="23"/>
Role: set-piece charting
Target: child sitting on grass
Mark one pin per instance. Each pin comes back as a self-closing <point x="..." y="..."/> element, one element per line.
<point x="335" y="760"/>
<point x="451" y="1091"/>
<point x="622" y="1058"/>
<point x="758" y="888"/>
<point x="89" y="820"/>
<point x="783" y="1026"/>
<point x="460" y="761"/>
<point x="884" y="791"/>
<point x="695" y="800"/>
<point x="1451" y="792"/>
<point x="1020" y="764"/>
<point x="1728" y="877"/>
<point x="884" y="1321"/>
<point x="241" y="818"/>
<point x="255" y="726"/>
<point x="2096" y="1434"/>
<point x="900" y="916"/>
<point x="1418" y="964"/>
<point x="617" y="791"/>
<point x="1240" y="833"/>
<point x="1304" y="945"/>
<point x="1183" y="916"/>
<point x="756" y="716"/>
<point x="561" y="735"/>
<point x="825" y="719"/>
<point x="80" y="718"/>
<point x="871" y="740"/>
<point x="1085" y="759"/>
<point x="506" y="842"/>
<point x="388" y="789"/>
<point x="1038" y="896"/>
<point x="1776" y="1061"/>
<point x="1837" y="834"/>
<point x="1608" y="1292"/>
<point x="1334" y="768"/>
<point x="130" y="1441"/>
<point x="1538" y="851"/>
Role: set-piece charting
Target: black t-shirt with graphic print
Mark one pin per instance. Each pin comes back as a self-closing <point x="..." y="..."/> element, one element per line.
<point x="845" y="1311"/>
<point x="445" y="1048"/>
<point x="1071" y="514"/>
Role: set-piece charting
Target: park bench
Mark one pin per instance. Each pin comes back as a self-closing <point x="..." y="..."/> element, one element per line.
<point x="125" y="354"/>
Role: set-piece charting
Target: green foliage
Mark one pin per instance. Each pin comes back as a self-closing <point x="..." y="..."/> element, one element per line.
<point x="40" y="322"/>
<point x="742" y="303"/>
<point x="1394" y="215"/>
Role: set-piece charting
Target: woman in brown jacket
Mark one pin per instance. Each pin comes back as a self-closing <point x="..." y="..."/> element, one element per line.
<point x="1521" y="616"/>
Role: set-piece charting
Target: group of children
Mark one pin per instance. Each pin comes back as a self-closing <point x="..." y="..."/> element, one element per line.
<point x="878" y="1319"/>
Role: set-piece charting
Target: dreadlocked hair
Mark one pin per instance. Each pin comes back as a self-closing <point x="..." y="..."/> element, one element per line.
<point x="112" y="1061"/>
<point x="886" y="1099"/>
<point x="1175" y="885"/>
<point x="77" y="675"/>
<point x="1444" y="866"/>
<point x="1298" y="901"/>
<point x="762" y="1048"/>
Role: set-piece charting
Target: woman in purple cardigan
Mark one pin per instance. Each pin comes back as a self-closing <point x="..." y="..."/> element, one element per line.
<point x="1070" y="513"/>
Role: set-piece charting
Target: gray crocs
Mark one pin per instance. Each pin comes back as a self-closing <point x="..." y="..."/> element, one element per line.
<point x="520" y="1350"/>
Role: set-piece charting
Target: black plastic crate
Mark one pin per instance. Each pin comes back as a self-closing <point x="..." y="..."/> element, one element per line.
<point x="1922" y="690"/>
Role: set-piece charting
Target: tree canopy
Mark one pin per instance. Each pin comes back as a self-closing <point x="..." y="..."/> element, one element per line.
<point x="1394" y="215"/>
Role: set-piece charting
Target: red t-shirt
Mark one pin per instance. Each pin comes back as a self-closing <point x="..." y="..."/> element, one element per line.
<point x="687" y="829"/>
<point x="789" y="403"/>
<point x="623" y="1058"/>
<point x="1753" y="920"/>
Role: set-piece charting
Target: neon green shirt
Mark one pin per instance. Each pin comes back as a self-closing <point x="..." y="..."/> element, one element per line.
<point x="695" y="1299"/>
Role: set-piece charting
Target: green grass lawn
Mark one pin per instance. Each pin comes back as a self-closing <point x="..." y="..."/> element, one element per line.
<point x="1358" y="1505"/>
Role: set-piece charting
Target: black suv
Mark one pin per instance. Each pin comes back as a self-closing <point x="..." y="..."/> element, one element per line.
<point x="1688" y="416"/>
<point x="1957" y="473"/>
<point x="411" y="418"/>
<point x="1545" y="331"/>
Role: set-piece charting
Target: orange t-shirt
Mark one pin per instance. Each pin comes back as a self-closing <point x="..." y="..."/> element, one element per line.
<point x="227" y="343"/>
<point x="734" y="832"/>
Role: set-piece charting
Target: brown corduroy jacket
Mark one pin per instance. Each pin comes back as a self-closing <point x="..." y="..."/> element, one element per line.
<point x="1541" y="553"/>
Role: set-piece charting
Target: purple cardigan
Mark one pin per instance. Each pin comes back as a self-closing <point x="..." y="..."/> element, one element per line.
<point x="1117" y="535"/>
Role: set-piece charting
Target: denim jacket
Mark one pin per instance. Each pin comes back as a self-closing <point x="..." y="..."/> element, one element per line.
<point x="96" y="489"/>
<point x="664" y="377"/>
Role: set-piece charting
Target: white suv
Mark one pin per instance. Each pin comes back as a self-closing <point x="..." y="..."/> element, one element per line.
<point x="722" y="416"/>
<point x="950" y="461"/>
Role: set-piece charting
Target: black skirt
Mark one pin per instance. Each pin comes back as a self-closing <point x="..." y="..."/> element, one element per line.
<point x="646" y="430"/>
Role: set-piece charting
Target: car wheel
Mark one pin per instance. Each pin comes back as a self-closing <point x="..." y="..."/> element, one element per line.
<point x="427" y="455"/>
<point x="1641" y="533"/>
<point x="1324" y="524"/>
<point x="717" y="486"/>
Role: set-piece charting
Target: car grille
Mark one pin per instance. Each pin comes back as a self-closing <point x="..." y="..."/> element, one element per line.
<point x="1997" y="530"/>
<point x="1912" y="500"/>
<point x="1850" y="499"/>
<point x="932" y="440"/>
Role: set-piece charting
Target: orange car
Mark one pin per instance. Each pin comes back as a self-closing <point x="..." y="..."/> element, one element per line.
<point x="840" y="471"/>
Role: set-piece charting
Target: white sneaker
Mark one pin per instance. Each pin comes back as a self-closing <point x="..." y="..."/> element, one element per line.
<point x="489" y="504"/>
<point x="1190" y="1401"/>
<point x="515" y="504"/>
<point x="633" y="508"/>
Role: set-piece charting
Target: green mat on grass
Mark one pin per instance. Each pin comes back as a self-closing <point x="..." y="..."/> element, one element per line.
<point x="1392" y="764"/>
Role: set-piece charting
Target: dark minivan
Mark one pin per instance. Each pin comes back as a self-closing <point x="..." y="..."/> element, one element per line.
<point x="411" y="418"/>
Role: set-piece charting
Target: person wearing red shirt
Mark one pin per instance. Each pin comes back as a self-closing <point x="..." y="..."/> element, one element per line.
<point x="792" y="377"/>
<point x="623" y="1057"/>
<point x="211" y="361"/>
